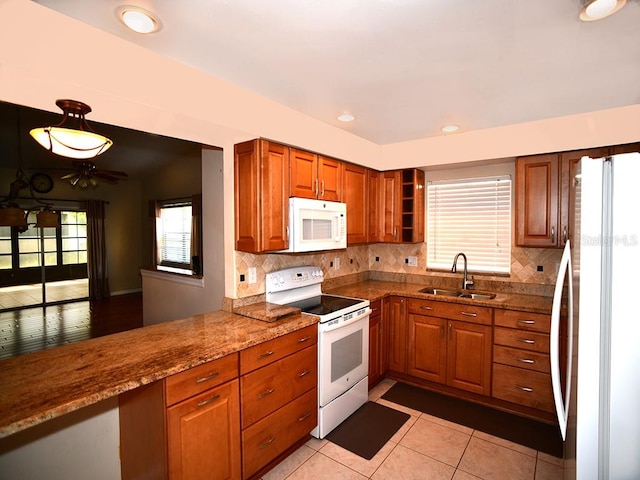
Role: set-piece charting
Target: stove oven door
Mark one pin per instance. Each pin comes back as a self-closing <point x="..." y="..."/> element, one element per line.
<point x="343" y="356"/>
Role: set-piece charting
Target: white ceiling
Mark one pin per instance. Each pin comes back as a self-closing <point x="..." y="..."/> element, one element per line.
<point x="404" y="68"/>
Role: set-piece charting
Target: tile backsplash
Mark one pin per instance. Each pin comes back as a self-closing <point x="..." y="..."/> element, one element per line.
<point x="390" y="258"/>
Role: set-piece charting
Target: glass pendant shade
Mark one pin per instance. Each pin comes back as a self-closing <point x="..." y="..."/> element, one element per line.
<point x="47" y="218"/>
<point x="73" y="137"/>
<point x="12" y="217"/>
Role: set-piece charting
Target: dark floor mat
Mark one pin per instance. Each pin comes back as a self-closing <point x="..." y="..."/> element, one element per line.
<point x="367" y="430"/>
<point x="514" y="428"/>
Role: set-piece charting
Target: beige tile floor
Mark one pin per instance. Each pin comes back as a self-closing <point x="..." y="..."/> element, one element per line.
<point x="426" y="447"/>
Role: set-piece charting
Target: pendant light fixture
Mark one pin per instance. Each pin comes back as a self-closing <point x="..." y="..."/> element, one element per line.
<point x="72" y="137"/>
<point x="597" y="9"/>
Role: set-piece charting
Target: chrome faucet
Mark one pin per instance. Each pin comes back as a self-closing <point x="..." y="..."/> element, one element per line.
<point x="465" y="283"/>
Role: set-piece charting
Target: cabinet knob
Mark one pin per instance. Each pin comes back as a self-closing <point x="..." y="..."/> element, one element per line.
<point x="553" y="234"/>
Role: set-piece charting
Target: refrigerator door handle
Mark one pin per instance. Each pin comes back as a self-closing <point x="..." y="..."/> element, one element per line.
<point x="562" y="404"/>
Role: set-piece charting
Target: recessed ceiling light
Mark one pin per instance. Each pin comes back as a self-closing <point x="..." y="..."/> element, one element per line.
<point x="450" y="128"/>
<point x="138" y="19"/>
<point x="346" y="117"/>
<point x="597" y="9"/>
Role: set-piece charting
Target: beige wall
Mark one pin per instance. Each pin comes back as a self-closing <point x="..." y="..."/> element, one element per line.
<point x="132" y="87"/>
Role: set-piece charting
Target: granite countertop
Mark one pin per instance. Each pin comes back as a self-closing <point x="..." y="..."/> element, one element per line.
<point x="375" y="289"/>
<point x="40" y="386"/>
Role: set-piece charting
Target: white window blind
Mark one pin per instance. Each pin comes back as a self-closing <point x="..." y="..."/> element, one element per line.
<point x="472" y="216"/>
<point x="174" y="235"/>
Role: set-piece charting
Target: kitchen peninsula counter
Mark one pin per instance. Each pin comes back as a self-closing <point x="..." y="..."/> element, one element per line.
<point x="43" y="385"/>
<point x="375" y="289"/>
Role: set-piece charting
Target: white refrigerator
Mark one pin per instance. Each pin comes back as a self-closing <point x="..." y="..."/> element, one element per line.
<point x="600" y="402"/>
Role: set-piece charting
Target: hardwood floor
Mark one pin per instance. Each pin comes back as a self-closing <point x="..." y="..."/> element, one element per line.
<point x="31" y="329"/>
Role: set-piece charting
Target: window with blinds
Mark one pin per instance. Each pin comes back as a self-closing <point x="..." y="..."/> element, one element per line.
<point x="472" y="216"/>
<point x="174" y="235"/>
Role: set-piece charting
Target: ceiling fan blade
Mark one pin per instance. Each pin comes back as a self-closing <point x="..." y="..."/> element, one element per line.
<point x="69" y="176"/>
<point x="110" y="172"/>
<point x="107" y="178"/>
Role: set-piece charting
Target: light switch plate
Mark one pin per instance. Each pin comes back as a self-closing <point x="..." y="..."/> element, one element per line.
<point x="413" y="261"/>
<point x="253" y="278"/>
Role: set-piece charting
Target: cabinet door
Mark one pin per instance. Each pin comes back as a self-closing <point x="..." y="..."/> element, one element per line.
<point x="274" y="173"/>
<point x="247" y="217"/>
<point x="569" y="164"/>
<point x="427" y="348"/>
<point x="391" y="206"/>
<point x="398" y="334"/>
<point x="330" y="179"/>
<point x="355" y="196"/>
<point x="469" y="357"/>
<point x="304" y="174"/>
<point x="374" y="225"/>
<point x="204" y="435"/>
<point x="537" y="200"/>
<point x="375" y="350"/>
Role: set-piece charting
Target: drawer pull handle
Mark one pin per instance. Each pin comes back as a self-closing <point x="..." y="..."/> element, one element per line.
<point x="425" y="308"/>
<point x="208" y="400"/>
<point x="304" y="339"/>
<point x="527" y="322"/>
<point x="524" y="389"/>
<point x="267" y="443"/>
<point x="211" y="376"/>
<point x="527" y="341"/>
<point x="304" y="373"/>
<point x="266" y="393"/>
<point x="304" y="417"/>
<point x="265" y="354"/>
<point x="469" y="314"/>
<point x="526" y="360"/>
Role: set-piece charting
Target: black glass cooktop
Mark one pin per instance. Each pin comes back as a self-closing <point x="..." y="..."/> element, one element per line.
<point x="324" y="304"/>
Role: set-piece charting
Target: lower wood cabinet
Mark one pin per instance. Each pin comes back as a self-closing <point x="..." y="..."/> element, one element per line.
<point x="449" y="351"/>
<point x="377" y="344"/>
<point x="186" y="426"/>
<point x="397" y="332"/>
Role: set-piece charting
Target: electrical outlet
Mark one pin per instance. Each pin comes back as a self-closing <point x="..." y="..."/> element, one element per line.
<point x="413" y="261"/>
<point x="377" y="259"/>
<point x="253" y="278"/>
<point x="336" y="263"/>
<point x="242" y="277"/>
<point x="540" y="268"/>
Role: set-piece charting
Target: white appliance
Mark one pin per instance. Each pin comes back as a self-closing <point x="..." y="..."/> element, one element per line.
<point x="316" y="225"/>
<point x="600" y="401"/>
<point x="343" y="341"/>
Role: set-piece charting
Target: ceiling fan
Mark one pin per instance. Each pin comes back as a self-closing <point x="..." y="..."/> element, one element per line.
<point x="85" y="175"/>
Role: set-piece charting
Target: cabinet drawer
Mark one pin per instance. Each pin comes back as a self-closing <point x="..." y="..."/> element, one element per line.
<point x="536" y="322"/>
<point x="452" y="311"/>
<point x="272" y="350"/>
<point x="376" y="308"/>
<point x="516" y="357"/>
<point x="510" y="337"/>
<point x="264" y="391"/>
<point x="198" y="379"/>
<point x="268" y="438"/>
<point x="524" y="387"/>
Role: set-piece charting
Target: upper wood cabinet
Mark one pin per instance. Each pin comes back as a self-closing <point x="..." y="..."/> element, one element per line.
<point x="402" y="204"/>
<point x="374" y="207"/>
<point x="356" y="197"/>
<point x="315" y="176"/>
<point x="545" y="196"/>
<point x="261" y="196"/>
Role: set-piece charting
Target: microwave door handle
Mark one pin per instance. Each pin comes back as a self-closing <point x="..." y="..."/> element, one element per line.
<point x="336" y="228"/>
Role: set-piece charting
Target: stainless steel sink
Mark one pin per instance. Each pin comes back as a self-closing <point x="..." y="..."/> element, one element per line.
<point x="478" y="296"/>
<point x="441" y="291"/>
<point x="458" y="293"/>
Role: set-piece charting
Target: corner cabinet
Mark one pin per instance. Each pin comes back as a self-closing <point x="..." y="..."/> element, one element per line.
<point x="261" y="196"/>
<point x="185" y="426"/>
<point x="402" y="204"/>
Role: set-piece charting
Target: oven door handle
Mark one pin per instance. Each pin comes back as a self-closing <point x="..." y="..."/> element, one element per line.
<point x="328" y="328"/>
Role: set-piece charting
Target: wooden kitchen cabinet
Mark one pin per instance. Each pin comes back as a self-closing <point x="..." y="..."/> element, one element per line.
<point x="315" y="176"/>
<point x="521" y="365"/>
<point x="356" y="196"/>
<point x="279" y="396"/>
<point x="443" y="348"/>
<point x="374" y="207"/>
<point x="261" y="196"/>
<point x="545" y="197"/>
<point x="377" y="344"/>
<point x="186" y="426"/>
<point x="402" y="206"/>
<point x="398" y="334"/>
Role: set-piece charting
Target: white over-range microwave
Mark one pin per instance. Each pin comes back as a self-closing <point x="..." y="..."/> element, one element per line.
<point x="316" y="225"/>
